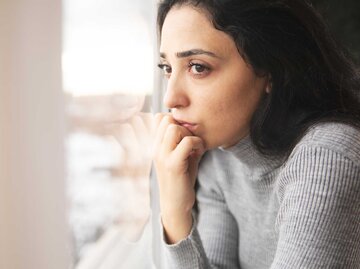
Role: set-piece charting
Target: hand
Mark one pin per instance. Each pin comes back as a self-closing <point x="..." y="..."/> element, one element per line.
<point x="135" y="138"/>
<point x="177" y="155"/>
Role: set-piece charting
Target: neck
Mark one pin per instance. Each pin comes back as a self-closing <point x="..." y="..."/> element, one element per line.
<point x="246" y="152"/>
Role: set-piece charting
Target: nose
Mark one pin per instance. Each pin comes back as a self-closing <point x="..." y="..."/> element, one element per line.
<point x="176" y="96"/>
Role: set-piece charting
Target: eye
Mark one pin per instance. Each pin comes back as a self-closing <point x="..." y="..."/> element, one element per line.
<point x="198" y="69"/>
<point x="166" y="69"/>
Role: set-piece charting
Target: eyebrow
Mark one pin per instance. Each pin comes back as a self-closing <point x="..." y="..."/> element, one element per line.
<point x="188" y="53"/>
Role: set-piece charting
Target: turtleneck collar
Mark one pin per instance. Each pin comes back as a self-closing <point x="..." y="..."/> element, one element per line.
<point x="247" y="154"/>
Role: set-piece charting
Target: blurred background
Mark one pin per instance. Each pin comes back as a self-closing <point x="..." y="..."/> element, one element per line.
<point x="108" y="62"/>
<point x="78" y="87"/>
<point x="77" y="82"/>
<point x="343" y="17"/>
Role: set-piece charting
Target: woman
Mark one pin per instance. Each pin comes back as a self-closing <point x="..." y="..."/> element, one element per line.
<point x="265" y="91"/>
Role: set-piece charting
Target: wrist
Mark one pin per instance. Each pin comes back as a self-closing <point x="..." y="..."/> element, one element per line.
<point x="176" y="227"/>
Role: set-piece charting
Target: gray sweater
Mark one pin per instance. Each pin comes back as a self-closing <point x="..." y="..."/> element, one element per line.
<point x="256" y="212"/>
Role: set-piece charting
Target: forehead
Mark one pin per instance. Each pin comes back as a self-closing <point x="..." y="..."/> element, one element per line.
<point x="186" y="28"/>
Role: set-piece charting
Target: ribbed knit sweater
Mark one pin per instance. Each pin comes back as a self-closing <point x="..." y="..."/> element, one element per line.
<point x="256" y="212"/>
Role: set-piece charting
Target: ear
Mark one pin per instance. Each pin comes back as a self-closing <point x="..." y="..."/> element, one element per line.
<point x="268" y="84"/>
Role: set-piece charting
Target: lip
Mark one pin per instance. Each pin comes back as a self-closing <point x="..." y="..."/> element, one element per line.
<point x="188" y="125"/>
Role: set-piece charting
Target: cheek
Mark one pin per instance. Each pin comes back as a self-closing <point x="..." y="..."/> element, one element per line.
<point x="241" y="101"/>
<point x="232" y="116"/>
<point x="232" y="107"/>
<point x="229" y="116"/>
<point x="225" y="121"/>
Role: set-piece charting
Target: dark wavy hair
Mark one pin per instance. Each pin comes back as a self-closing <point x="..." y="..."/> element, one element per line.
<point x="313" y="77"/>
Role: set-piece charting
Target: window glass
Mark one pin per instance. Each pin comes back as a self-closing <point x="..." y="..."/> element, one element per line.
<point x="108" y="70"/>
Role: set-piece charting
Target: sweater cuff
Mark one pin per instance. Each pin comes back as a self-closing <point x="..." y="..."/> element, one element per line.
<point x="185" y="253"/>
<point x="191" y="234"/>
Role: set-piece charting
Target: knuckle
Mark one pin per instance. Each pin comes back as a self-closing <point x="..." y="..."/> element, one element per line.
<point x="173" y="126"/>
<point x="188" y="140"/>
<point x="172" y="129"/>
<point x="164" y="162"/>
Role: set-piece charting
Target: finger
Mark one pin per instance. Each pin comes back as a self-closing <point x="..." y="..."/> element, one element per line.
<point x="158" y="118"/>
<point x="143" y="133"/>
<point x="155" y="133"/>
<point x="161" y="129"/>
<point x="189" y="146"/>
<point x="128" y="107"/>
<point x="149" y="121"/>
<point x="126" y="137"/>
<point x="173" y="136"/>
<point x="140" y="129"/>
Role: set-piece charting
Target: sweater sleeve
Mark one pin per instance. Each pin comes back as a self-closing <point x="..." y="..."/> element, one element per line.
<point x="213" y="240"/>
<point x="319" y="216"/>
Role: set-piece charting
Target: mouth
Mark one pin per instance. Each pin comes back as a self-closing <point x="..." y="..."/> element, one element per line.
<point x="190" y="126"/>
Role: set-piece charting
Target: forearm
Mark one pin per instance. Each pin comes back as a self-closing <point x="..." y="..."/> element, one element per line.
<point x="177" y="155"/>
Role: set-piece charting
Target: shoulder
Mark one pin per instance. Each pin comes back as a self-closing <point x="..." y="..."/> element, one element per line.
<point x="319" y="203"/>
<point x="327" y="157"/>
<point x="334" y="138"/>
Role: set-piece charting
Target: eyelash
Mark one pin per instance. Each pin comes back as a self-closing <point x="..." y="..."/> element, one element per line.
<point x="200" y="74"/>
<point x="164" y="67"/>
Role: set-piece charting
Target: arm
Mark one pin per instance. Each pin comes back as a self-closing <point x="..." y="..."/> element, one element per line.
<point x="319" y="217"/>
<point x="177" y="154"/>
<point x="218" y="245"/>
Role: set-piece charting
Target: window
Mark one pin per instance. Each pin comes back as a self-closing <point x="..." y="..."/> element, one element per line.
<point x="108" y="76"/>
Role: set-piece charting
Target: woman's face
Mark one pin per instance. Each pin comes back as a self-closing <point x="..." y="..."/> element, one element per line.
<point x="211" y="90"/>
